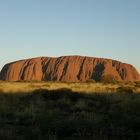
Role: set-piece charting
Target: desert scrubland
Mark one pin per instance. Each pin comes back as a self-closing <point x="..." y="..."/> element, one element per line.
<point x="54" y="110"/>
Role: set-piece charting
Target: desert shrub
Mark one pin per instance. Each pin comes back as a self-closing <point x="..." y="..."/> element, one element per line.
<point x="91" y="81"/>
<point x="108" y="79"/>
<point x="125" y="90"/>
<point x="1" y="90"/>
<point x="18" y="81"/>
<point x="67" y="128"/>
<point x="80" y="105"/>
<point x="137" y="84"/>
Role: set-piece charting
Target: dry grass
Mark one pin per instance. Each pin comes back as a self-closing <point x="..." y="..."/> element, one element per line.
<point x="13" y="87"/>
<point x="49" y="114"/>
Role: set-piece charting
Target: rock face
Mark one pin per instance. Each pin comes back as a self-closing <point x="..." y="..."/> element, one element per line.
<point x="67" y="68"/>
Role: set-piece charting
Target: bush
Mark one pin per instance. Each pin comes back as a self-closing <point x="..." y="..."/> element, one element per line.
<point x="137" y="84"/>
<point x="125" y="90"/>
<point x="91" y="81"/>
<point x="1" y="90"/>
<point x="108" y="79"/>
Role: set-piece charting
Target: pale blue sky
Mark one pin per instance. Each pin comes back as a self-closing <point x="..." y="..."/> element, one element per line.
<point x="101" y="28"/>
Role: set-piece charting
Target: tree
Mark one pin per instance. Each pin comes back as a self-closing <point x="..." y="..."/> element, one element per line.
<point x="108" y="79"/>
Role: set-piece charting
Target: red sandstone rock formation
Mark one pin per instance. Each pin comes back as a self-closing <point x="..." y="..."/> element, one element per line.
<point x="67" y="68"/>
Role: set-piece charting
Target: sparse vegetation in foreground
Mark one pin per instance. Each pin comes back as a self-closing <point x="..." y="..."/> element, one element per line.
<point x="86" y="87"/>
<point x="64" y="114"/>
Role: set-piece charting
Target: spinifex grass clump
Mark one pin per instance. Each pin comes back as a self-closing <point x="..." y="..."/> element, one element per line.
<point x="57" y="114"/>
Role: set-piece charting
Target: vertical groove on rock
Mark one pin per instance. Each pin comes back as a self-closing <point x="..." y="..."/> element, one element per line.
<point x="67" y="68"/>
<point x="24" y="69"/>
<point x="44" y="69"/>
<point x="98" y="71"/>
<point x="64" y="70"/>
<point x="21" y="71"/>
<point x="56" y="66"/>
<point x="81" y="69"/>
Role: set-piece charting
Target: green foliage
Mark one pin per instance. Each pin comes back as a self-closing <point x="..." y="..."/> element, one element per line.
<point x="57" y="114"/>
<point x="108" y="79"/>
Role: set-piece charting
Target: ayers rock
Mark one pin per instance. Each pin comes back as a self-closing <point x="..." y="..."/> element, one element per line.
<point x="67" y="68"/>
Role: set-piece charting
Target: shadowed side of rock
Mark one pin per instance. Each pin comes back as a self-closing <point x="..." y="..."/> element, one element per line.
<point x="67" y="68"/>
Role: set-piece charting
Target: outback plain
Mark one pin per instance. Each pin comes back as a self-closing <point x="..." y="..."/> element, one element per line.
<point x="60" y="110"/>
